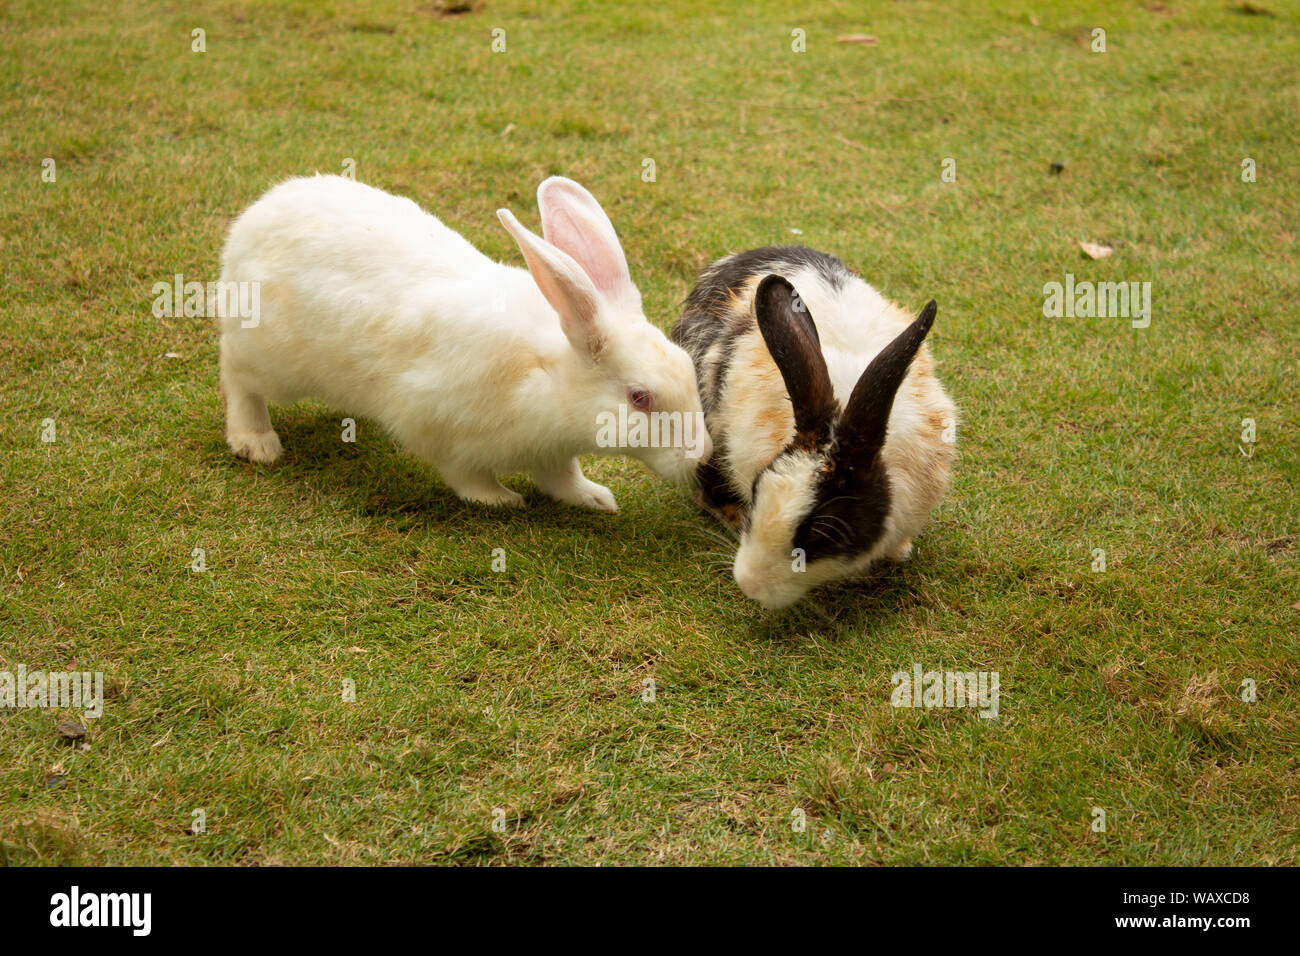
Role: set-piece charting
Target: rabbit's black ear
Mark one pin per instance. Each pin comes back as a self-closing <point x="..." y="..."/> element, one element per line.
<point x="862" y="429"/>
<point x="787" y="328"/>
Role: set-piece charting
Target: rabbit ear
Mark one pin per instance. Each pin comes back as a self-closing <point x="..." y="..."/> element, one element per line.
<point x="564" y="284"/>
<point x="787" y="328"/>
<point x="862" y="429"/>
<point x="573" y="222"/>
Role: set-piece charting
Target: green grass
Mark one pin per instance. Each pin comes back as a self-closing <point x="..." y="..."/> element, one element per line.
<point x="522" y="690"/>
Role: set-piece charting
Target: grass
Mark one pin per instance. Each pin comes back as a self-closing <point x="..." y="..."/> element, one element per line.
<point x="521" y="692"/>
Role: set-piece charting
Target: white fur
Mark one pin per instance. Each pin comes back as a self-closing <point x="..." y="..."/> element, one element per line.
<point x="378" y="309"/>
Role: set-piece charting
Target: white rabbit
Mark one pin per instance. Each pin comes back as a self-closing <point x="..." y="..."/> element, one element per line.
<point x="834" y="439"/>
<point x="375" y="307"/>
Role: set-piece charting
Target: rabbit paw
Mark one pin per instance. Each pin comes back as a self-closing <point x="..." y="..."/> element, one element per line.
<point x="594" y="496"/>
<point x="902" y="551"/>
<point x="497" y="498"/>
<point x="261" y="448"/>
<point x="483" y="488"/>
<point x="568" y="484"/>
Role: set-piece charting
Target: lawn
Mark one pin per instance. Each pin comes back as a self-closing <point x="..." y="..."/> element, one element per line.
<point x="507" y="716"/>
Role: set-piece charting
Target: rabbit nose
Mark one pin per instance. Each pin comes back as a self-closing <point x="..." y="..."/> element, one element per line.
<point x="748" y="582"/>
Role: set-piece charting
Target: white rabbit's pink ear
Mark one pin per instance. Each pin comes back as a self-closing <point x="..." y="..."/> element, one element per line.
<point x="564" y="284"/>
<point x="573" y="221"/>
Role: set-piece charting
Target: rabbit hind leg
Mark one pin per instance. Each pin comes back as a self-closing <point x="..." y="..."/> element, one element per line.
<point x="248" y="424"/>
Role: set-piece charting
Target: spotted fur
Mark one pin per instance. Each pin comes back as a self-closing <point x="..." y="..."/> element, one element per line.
<point x="829" y="435"/>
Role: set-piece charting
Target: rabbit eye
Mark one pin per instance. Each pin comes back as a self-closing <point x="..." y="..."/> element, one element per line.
<point x="639" y="399"/>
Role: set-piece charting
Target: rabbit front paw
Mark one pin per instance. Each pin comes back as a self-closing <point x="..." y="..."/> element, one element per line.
<point x="568" y="484"/>
<point x="261" y="448"/>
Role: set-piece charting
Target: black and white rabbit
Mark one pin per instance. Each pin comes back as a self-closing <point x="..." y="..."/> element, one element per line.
<point x="833" y="440"/>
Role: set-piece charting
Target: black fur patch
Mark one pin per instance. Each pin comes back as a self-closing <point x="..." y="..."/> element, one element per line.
<point x="708" y="318"/>
<point x="719" y="280"/>
<point x="717" y="494"/>
<point x="848" y="513"/>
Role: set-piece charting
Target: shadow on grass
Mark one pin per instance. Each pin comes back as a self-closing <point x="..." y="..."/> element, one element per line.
<point x="375" y="477"/>
<point x="378" y="478"/>
<point x="847" y="611"/>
